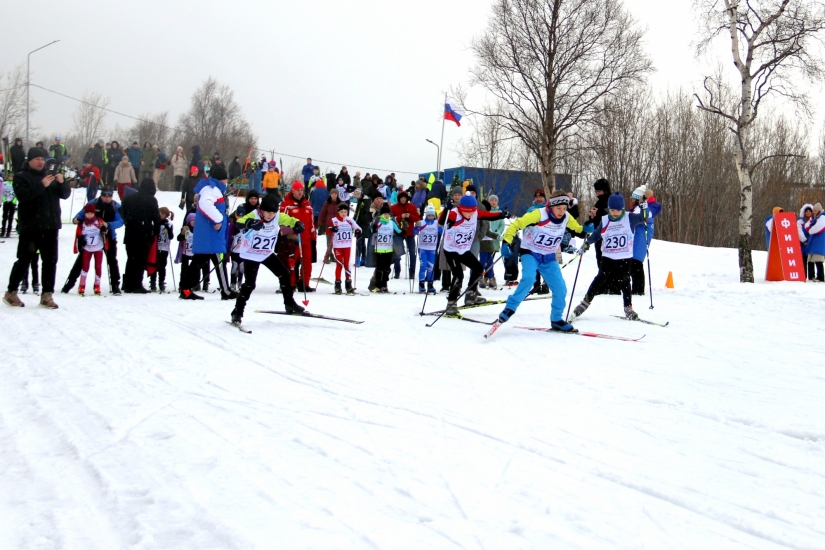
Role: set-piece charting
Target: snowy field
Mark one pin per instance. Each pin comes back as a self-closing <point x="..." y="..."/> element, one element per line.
<point x="148" y="422"/>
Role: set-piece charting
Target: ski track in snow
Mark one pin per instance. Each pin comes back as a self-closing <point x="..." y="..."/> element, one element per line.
<point x="147" y="422"/>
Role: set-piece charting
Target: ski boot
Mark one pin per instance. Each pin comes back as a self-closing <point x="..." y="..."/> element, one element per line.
<point x="36" y="289"/>
<point x="630" y="314"/>
<point x="24" y="287"/>
<point x="581" y="308"/>
<point x="473" y="298"/>
<point x="187" y="294"/>
<point x="562" y="326"/>
<point x="372" y="286"/>
<point x="349" y="289"/>
<point x="231" y="295"/>
<point x="338" y="288"/>
<point x="66" y="289"/>
<point x="421" y="289"/>
<point x="11" y="299"/>
<point x="153" y="287"/>
<point x="237" y="317"/>
<point x="293" y="308"/>
<point x="492" y="284"/>
<point x="505" y="315"/>
<point x="162" y="288"/>
<point x="81" y="290"/>
<point x="384" y="290"/>
<point x="544" y="289"/>
<point x="97" y="290"/>
<point x="452" y="308"/>
<point x="482" y="283"/>
<point x="116" y="290"/>
<point x="430" y="288"/>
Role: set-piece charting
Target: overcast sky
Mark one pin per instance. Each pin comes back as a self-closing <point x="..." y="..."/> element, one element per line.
<point x="357" y="82"/>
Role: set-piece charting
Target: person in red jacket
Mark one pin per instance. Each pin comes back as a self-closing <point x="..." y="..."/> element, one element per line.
<point x="297" y="206"/>
<point x="406" y="216"/>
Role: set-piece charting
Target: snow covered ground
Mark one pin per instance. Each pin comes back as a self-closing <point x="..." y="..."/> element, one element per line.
<point x="149" y="422"/>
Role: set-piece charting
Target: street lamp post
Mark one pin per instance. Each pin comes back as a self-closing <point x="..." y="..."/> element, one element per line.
<point x="28" y="84"/>
<point x="438" y="176"/>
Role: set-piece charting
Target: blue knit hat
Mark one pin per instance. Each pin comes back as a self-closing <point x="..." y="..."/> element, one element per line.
<point x="467" y="203"/>
<point x="615" y="202"/>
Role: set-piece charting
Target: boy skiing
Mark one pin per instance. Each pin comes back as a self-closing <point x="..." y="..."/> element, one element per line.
<point x="383" y="229"/>
<point x="261" y="228"/>
<point x="91" y="234"/>
<point x="460" y="225"/>
<point x="543" y="233"/>
<point x="616" y="232"/>
<point x="342" y="230"/>
<point x="429" y="233"/>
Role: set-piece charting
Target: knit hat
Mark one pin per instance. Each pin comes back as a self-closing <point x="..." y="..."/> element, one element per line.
<point x="270" y="203"/>
<point x="472" y="188"/>
<point x="36" y="152"/>
<point x="467" y="203"/>
<point x="343" y="206"/>
<point x="615" y="202"/>
<point x="89" y="208"/>
<point x="818" y="207"/>
<point x="193" y="171"/>
<point x="539" y="193"/>
<point x="403" y="194"/>
<point x="602" y="185"/>
<point x="218" y="172"/>
<point x="297" y="185"/>
<point x="456" y="191"/>
<point x="639" y="192"/>
<point x="557" y="200"/>
<point x="386" y="209"/>
<point x="778" y="210"/>
<point x="429" y="211"/>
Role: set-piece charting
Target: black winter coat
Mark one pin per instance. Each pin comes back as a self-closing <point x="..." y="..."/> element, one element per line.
<point x="362" y="215"/>
<point x="601" y="209"/>
<point x="97" y="158"/>
<point x="187" y="190"/>
<point x="438" y="191"/>
<point x="346" y="177"/>
<point x="140" y="215"/>
<point x="38" y="207"/>
<point x="18" y="158"/>
<point x="234" y="170"/>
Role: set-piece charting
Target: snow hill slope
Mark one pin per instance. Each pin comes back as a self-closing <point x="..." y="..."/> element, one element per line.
<point x="148" y="422"/>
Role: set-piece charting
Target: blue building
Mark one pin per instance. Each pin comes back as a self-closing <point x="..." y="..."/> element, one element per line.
<point x="514" y="188"/>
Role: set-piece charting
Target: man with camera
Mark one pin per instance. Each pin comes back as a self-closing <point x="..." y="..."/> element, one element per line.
<point x="38" y="194"/>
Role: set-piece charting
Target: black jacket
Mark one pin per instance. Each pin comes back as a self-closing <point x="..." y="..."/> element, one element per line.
<point x="97" y="158"/>
<point x="601" y="209"/>
<point x="140" y="214"/>
<point x="18" y="158"/>
<point x="362" y="214"/>
<point x="438" y="191"/>
<point x="187" y="190"/>
<point x="346" y="177"/>
<point x="38" y="207"/>
<point x="234" y="170"/>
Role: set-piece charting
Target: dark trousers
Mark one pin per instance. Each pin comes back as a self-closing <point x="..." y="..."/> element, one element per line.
<point x="612" y="271"/>
<point x="383" y="264"/>
<point x="35" y="271"/>
<point x="360" y="250"/>
<point x="8" y="218"/>
<point x="815" y="271"/>
<point x="178" y="182"/>
<point x="111" y="259"/>
<point x="160" y="274"/>
<point x="455" y="261"/>
<point x="250" y="270"/>
<point x="28" y="245"/>
<point x="637" y="278"/>
<point x="136" y="254"/>
<point x="201" y="262"/>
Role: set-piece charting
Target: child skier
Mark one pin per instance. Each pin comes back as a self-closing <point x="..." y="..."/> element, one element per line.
<point x="616" y="231"/>
<point x="261" y="228"/>
<point x="185" y="239"/>
<point x="342" y="229"/>
<point x="236" y="272"/>
<point x="92" y="233"/>
<point x="383" y="229"/>
<point x="815" y="232"/>
<point x="543" y="233"/>
<point x="9" y="206"/>
<point x="460" y="230"/>
<point x="428" y="232"/>
<point x="164" y="238"/>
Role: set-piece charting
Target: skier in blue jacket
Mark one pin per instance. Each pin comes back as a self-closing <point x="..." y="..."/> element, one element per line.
<point x="643" y="236"/>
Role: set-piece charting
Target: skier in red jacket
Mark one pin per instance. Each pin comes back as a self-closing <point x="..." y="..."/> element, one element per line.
<point x="297" y="206"/>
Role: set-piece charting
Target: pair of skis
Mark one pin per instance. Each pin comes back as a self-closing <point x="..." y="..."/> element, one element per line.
<point x="497" y="324"/>
<point x="304" y="314"/>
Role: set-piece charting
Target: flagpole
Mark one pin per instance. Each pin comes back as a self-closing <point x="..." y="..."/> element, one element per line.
<point x="441" y="147"/>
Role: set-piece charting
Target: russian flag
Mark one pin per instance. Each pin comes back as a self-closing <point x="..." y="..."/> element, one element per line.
<point x="453" y="111"/>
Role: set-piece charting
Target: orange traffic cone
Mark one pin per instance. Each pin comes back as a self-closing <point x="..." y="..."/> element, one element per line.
<point x="669" y="283"/>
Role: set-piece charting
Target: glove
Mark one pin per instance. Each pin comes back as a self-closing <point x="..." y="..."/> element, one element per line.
<point x="255" y="225"/>
<point x="334" y="229"/>
<point x="643" y="205"/>
<point x="298" y="227"/>
<point x="182" y="204"/>
<point x="589" y="228"/>
<point x="506" y="212"/>
<point x="81" y="242"/>
<point x="357" y="233"/>
<point x="585" y="247"/>
<point x="506" y="251"/>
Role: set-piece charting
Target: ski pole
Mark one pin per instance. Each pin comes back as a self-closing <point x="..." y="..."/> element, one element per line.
<point x="108" y="271"/>
<point x="304" y="270"/>
<point x="440" y="315"/>
<point x="575" y="280"/>
<point x="323" y="264"/>
<point x="437" y="256"/>
<point x="568" y="263"/>
<point x="172" y="270"/>
<point x="649" y="274"/>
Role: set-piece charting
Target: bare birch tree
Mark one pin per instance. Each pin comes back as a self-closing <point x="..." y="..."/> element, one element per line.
<point x="88" y="118"/>
<point x="551" y="62"/>
<point x="12" y="100"/>
<point x="772" y="42"/>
